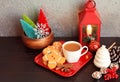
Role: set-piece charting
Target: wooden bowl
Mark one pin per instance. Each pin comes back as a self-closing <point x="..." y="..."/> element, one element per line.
<point x="37" y="43"/>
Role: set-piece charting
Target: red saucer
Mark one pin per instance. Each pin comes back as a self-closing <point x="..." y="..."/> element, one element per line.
<point x="75" y="68"/>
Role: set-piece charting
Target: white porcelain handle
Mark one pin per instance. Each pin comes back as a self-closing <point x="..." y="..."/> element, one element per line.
<point x="86" y="50"/>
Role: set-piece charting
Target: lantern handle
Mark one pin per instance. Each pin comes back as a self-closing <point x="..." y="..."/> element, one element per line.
<point x="91" y="4"/>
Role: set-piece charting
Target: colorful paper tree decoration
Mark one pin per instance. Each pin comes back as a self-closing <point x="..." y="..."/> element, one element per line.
<point x="28" y="20"/>
<point x="42" y="19"/>
<point x="39" y="30"/>
<point x="28" y="29"/>
<point x="42" y="22"/>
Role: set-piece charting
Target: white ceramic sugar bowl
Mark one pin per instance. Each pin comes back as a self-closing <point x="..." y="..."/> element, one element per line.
<point x="102" y="57"/>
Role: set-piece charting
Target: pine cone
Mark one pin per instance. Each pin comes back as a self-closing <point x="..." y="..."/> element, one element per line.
<point x="115" y="54"/>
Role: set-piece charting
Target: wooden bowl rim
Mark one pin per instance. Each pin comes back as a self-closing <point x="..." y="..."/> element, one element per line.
<point x="24" y="36"/>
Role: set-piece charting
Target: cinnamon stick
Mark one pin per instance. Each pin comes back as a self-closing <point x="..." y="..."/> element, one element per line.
<point x="111" y="45"/>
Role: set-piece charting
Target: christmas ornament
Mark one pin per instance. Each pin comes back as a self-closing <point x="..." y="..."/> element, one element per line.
<point x="116" y="65"/>
<point x="102" y="57"/>
<point x="28" y="20"/>
<point x="103" y="70"/>
<point x="43" y="30"/>
<point x="28" y="29"/>
<point x="108" y="73"/>
<point x="111" y="74"/>
<point x="93" y="46"/>
<point x="97" y="75"/>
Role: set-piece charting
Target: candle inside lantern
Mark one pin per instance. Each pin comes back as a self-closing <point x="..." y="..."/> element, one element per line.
<point x="89" y="30"/>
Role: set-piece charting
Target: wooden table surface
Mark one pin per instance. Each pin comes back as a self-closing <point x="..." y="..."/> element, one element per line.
<point x="17" y="64"/>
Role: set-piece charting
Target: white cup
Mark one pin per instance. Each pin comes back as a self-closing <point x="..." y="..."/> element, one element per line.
<point x="73" y="51"/>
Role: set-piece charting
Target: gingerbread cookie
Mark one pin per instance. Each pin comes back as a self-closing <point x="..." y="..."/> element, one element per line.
<point x="57" y="45"/>
<point x="52" y="55"/>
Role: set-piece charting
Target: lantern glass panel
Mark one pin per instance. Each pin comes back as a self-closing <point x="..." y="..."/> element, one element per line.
<point x="89" y="32"/>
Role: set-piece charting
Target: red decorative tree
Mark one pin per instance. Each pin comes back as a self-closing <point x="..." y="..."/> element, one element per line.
<point x="43" y="26"/>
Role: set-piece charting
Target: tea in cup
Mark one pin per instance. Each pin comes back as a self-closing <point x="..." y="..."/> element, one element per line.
<point x="72" y="51"/>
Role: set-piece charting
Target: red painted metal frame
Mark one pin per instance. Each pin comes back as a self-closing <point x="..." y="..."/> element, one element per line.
<point x="89" y="16"/>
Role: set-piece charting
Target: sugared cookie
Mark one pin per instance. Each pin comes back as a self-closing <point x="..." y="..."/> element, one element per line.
<point x="48" y="50"/>
<point x="61" y="60"/>
<point x="52" y="64"/>
<point x="52" y="55"/>
<point x="57" y="45"/>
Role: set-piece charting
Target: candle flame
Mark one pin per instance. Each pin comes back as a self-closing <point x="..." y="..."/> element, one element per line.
<point x="89" y="30"/>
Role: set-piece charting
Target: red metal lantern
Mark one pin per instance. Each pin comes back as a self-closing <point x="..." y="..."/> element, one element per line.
<point x="89" y="23"/>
